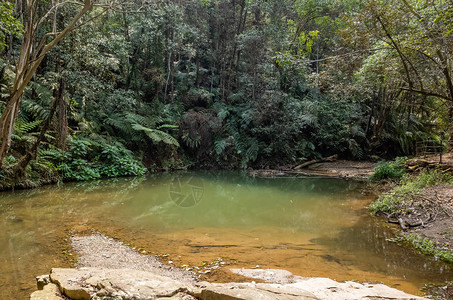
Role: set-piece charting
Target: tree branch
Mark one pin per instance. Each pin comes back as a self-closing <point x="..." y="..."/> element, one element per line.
<point x="426" y="93"/>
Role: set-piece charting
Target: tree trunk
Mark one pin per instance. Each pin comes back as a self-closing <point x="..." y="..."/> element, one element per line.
<point x="62" y="116"/>
<point x="28" y="62"/>
<point x="7" y="121"/>
<point x="19" y="169"/>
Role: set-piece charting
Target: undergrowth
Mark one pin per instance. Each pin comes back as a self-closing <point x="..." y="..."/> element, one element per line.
<point x="394" y="170"/>
<point x="426" y="246"/>
<point x="89" y="159"/>
<point x="85" y="159"/>
<point x="409" y="187"/>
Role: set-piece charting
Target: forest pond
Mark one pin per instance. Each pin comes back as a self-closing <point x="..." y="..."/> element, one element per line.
<point x="309" y="226"/>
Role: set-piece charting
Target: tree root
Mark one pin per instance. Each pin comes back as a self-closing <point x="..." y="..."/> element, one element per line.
<point x="406" y="223"/>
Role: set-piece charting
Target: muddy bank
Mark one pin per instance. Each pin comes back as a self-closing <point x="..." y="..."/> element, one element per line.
<point x="107" y="269"/>
<point x="427" y="213"/>
<point x="437" y="215"/>
<point x="357" y="170"/>
<point x="421" y="209"/>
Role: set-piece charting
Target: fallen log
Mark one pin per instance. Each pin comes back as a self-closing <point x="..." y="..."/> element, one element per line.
<point x="416" y="165"/>
<point x="315" y="161"/>
<point x="406" y="223"/>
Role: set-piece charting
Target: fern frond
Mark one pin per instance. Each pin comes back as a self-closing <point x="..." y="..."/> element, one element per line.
<point x="135" y="119"/>
<point x="191" y="142"/>
<point x="22" y="127"/>
<point x="156" y="135"/>
<point x="50" y="154"/>
<point x="35" y="109"/>
<point x="219" y="146"/>
<point x="252" y="151"/>
<point x="168" y="126"/>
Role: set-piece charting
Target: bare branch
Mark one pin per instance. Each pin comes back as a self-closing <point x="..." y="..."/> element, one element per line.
<point x="349" y="53"/>
<point x="51" y="10"/>
<point x="426" y="93"/>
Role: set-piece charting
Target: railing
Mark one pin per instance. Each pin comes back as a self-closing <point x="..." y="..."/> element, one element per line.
<point x="432" y="147"/>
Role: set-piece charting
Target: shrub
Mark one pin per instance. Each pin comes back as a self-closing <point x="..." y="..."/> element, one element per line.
<point x="390" y="169"/>
<point x="88" y="159"/>
<point x="428" y="247"/>
<point x="117" y="161"/>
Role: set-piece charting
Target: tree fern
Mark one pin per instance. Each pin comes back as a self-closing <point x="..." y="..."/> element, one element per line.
<point x="37" y="106"/>
<point x="156" y="135"/>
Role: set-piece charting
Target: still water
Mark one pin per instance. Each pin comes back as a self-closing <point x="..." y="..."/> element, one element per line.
<point x="309" y="226"/>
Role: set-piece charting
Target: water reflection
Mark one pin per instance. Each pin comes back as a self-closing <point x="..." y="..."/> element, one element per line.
<point x="311" y="226"/>
<point x="370" y="242"/>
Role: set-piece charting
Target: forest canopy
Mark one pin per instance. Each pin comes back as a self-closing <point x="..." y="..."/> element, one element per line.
<point x="100" y="88"/>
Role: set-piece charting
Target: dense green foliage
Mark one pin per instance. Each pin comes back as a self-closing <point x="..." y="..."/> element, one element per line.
<point x="8" y="23"/>
<point x="231" y="84"/>
<point x="90" y="159"/>
<point x="390" y="169"/>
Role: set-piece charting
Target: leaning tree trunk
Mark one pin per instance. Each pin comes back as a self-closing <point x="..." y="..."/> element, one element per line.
<point x="28" y="62"/>
<point x="9" y="114"/>
<point x="7" y="121"/>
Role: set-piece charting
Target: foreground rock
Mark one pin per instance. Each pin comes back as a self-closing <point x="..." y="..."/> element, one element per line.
<point x="96" y="284"/>
<point x="107" y="269"/>
<point x="325" y="288"/>
<point x="48" y="292"/>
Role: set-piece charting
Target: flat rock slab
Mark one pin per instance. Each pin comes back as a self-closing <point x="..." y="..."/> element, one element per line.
<point x="245" y="291"/>
<point x="322" y="288"/>
<point x="95" y="283"/>
<point x="110" y="270"/>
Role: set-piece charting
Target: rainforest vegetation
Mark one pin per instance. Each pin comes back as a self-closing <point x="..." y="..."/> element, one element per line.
<point x="104" y="88"/>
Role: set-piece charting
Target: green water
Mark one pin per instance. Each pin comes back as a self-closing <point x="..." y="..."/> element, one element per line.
<point x="310" y="226"/>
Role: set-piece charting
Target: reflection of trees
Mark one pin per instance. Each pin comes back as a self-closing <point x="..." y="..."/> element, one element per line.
<point x="367" y="245"/>
<point x="28" y="214"/>
<point x="31" y="221"/>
